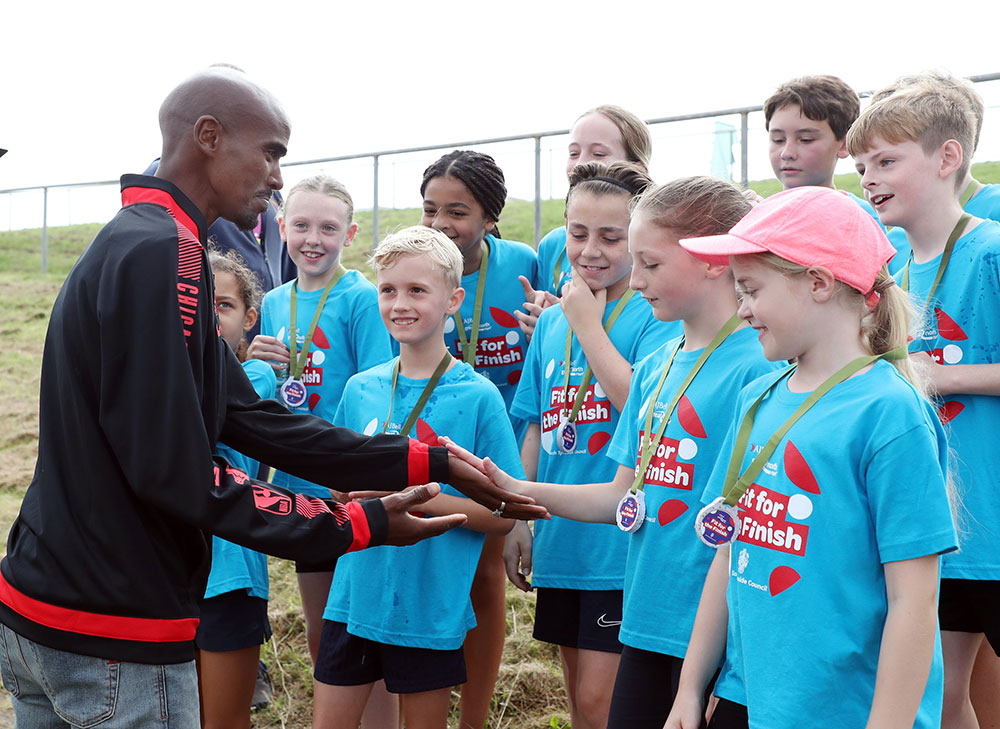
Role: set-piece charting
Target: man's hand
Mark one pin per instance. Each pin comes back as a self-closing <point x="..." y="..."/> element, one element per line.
<point x="534" y="303"/>
<point x="404" y="528"/>
<point x="468" y="474"/>
<point x="270" y="349"/>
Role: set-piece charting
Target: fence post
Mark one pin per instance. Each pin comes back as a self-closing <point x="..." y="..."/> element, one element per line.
<point x="744" y="173"/>
<point x="375" y="202"/>
<point x="538" y="190"/>
<point x="45" y="229"/>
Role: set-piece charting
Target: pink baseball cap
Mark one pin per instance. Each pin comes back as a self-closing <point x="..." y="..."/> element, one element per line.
<point x="810" y="226"/>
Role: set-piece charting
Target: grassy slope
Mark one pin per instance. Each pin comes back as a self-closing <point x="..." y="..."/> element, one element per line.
<point x="529" y="692"/>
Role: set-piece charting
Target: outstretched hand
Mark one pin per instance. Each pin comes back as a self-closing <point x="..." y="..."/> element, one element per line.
<point x="486" y="484"/>
<point x="404" y="528"/>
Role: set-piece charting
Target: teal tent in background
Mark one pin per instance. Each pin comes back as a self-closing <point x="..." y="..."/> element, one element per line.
<point x="722" y="150"/>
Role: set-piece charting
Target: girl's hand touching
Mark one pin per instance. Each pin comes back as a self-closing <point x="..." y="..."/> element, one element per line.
<point x="270" y="349"/>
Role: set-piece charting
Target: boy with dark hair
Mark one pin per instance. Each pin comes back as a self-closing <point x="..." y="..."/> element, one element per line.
<point x="807" y="120"/>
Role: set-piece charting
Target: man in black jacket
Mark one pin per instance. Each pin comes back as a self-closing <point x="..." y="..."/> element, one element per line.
<point x="106" y="561"/>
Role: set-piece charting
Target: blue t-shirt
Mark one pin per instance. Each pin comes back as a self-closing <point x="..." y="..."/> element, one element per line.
<point x="567" y="553"/>
<point x="501" y="348"/>
<point x="984" y="204"/>
<point x="857" y="482"/>
<point x="665" y="569"/>
<point x="349" y="338"/>
<point x="418" y="595"/>
<point x="552" y="252"/>
<point x="235" y="567"/>
<point x="962" y="326"/>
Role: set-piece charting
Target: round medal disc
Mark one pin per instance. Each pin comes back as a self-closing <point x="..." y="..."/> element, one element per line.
<point x="293" y="392"/>
<point x="566" y="436"/>
<point x="718" y="524"/>
<point x="631" y="511"/>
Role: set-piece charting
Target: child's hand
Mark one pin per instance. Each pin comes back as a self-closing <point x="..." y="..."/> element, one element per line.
<point x="931" y="372"/>
<point x="582" y="306"/>
<point x="517" y="555"/>
<point x="484" y="482"/>
<point x="686" y="713"/>
<point x="534" y="303"/>
<point x="270" y="349"/>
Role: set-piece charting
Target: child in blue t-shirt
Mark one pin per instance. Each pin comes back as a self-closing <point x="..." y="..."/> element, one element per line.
<point x="605" y="134"/>
<point x="807" y="120"/>
<point x="975" y="198"/>
<point x="829" y="503"/>
<point x="337" y="333"/>
<point x="684" y="393"/>
<point x="401" y="614"/>
<point x="463" y="195"/>
<point x="234" y="620"/>
<point x="953" y="275"/>
<point x="575" y="382"/>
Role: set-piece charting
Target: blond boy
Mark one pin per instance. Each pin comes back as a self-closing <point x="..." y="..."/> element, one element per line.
<point x="910" y="149"/>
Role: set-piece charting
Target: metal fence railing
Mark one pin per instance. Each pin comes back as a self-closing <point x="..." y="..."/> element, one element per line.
<point x="742" y="139"/>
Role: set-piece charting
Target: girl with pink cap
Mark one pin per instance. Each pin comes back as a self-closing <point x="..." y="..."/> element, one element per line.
<point x="829" y="504"/>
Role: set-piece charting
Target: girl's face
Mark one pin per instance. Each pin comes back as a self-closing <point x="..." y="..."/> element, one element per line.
<point x="451" y="208"/>
<point x="234" y="318"/>
<point x="594" y="138"/>
<point x="666" y="275"/>
<point x="597" y="241"/>
<point x="316" y="230"/>
<point x="775" y="305"/>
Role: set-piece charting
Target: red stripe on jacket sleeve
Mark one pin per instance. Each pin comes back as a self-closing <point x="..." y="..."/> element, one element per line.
<point x="359" y="525"/>
<point x="148" y="630"/>
<point x="418" y="463"/>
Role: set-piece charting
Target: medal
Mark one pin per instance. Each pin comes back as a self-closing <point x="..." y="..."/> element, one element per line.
<point x="566" y="436"/>
<point x="717" y="524"/>
<point x="631" y="511"/>
<point x="293" y="392"/>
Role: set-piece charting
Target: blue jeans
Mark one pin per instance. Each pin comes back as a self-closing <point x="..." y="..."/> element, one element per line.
<point x="54" y="688"/>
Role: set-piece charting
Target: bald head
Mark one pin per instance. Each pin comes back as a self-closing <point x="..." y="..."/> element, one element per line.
<point x="223" y="93"/>
<point x="223" y="136"/>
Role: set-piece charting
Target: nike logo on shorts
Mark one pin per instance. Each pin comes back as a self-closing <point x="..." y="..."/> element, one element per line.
<point x="603" y="622"/>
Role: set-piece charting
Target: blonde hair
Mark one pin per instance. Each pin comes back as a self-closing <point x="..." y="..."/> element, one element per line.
<point x="635" y="134"/>
<point x="942" y="80"/>
<point x="883" y="327"/>
<point x="419" y="240"/>
<point x="927" y="114"/>
<point x="693" y="206"/>
<point x="326" y="185"/>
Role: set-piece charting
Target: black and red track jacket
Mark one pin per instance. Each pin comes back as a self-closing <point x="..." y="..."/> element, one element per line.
<point x="109" y="554"/>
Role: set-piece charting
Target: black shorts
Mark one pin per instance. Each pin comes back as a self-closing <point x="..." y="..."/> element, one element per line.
<point x="645" y="688"/>
<point x="729" y="715"/>
<point x="587" y="619"/>
<point x="971" y="606"/>
<point x="232" y="621"/>
<point x="347" y="660"/>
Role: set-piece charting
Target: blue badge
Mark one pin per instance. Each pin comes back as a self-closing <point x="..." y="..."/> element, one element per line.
<point x="566" y="436"/>
<point x="718" y="524"/>
<point x="293" y="392"/>
<point x="631" y="511"/>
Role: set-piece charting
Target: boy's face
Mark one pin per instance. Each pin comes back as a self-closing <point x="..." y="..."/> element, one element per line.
<point x="898" y="180"/>
<point x="415" y="300"/>
<point x="803" y="151"/>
